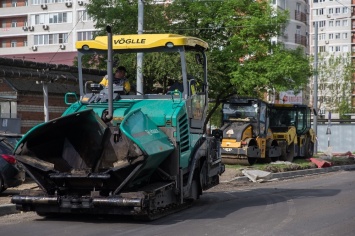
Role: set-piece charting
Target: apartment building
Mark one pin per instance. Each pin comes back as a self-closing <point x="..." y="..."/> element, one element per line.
<point x="296" y="34"/>
<point x="43" y="30"/>
<point x="335" y="37"/>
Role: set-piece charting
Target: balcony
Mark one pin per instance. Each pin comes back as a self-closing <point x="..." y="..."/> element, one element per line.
<point x="301" y="39"/>
<point x="11" y="31"/>
<point x="300" y="16"/>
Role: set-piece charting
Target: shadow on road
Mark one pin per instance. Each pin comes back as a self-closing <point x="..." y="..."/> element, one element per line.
<point x="211" y="205"/>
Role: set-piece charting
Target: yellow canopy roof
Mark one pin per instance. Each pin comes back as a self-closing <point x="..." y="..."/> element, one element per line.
<point x="141" y="41"/>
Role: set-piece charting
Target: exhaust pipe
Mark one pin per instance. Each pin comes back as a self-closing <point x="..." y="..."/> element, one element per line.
<point x="109" y="73"/>
<point x="121" y="202"/>
<point x="35" y="200"/>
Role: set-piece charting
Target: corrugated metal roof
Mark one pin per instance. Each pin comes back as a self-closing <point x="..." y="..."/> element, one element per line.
<point x="23" y="76"/>
<point x="31" y="85"/>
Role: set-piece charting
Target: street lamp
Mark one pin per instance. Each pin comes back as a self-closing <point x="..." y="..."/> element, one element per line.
<point x="139" y="88"/>
<point x="315" y="84"/>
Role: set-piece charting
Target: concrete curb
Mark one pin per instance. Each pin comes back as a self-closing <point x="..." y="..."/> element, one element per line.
<point x="7" y="209"/>
<point x="298" y="173"/>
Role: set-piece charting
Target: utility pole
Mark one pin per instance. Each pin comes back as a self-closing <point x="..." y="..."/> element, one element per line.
<point x="315" y="84"/>
<point x="45" y="98"/>
<point x="140" y="55"/>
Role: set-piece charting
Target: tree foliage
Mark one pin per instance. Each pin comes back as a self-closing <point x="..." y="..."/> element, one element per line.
<point x="242" y="59"/>
<point x="334" y="83"/>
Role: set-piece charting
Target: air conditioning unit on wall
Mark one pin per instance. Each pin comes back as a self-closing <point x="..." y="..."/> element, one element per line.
<point x="44" y="6"/>
<point x="31" y="28"/>
<point x="34" y="48"/>
<point x="62" y="46"/>
<point x="68" y="4"/>
<point x="80" y="3"/>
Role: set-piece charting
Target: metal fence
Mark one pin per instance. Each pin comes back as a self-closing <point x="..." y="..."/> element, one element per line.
<point x="341" y="139"/>
<point x="12" y="125"/>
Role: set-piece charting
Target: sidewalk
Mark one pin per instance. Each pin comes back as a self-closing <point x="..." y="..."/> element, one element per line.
<point x="296" y="173"/>
<point x="6" y="207"/>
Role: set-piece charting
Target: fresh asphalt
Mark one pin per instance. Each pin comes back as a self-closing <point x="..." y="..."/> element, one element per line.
<point x="7" y="209"/>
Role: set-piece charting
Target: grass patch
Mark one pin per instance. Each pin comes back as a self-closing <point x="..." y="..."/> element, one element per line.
<point x="297" y="164"/>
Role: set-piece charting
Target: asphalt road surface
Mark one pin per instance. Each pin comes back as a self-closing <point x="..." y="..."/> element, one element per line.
<point x="314" y="205"/>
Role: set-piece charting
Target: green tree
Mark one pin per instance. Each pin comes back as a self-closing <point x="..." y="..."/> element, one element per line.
<point x="334" y="83"/>
<point x="242" y="59"/>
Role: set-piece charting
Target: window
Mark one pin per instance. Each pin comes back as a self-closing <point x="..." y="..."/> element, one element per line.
<point x="298" y="7"/>
<point x="330" y="11"/>
<point x="345" y="35"/>
<point x="47" y="39"/>
<point x="337" y="35"/>
<point x="330" y="49"/>
<point x="345" y="22"/>
<point x="321" y="49"/>
<point x="331" y="23"/>
<point x="321" y="11"/>
<point x="38" y="19"/>
<point x="63" y="38"/>
<point x="14" y="3"/>
<point x="337" y="23"/>
<point x="14" y="23"/>
<point x="330" y="36"/>
<point x="60" y="17"/>
<point x="321" y="37"/>
<point x="52" y="18"/>
<point x="83" y="16"/>
<point x="298" y="30"/>
<point x="88" y="35"/>
<point x="25" y="44"/>
<point x="3" y="43"/>
<point x="13" y="43"/>
<point x="320" y="23"/>
<point x="337" y="10"/>
<point x="345" y="10"/>
<point x="337" y="48"/>
<point x="345" y="49"/>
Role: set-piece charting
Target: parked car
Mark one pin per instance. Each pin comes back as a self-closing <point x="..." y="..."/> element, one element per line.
<point x="11" y="173"/>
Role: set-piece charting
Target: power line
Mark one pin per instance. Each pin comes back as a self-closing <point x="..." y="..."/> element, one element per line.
<point x="71" y="31"/>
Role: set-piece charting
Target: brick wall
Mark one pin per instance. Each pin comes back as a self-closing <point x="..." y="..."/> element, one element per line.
<point x="5" y="89"/>
<point x="30" y="107"/>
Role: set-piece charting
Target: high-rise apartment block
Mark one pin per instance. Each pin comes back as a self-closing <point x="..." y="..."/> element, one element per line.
<point x="335" y="22"/>
<point x="43" y="30"/>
